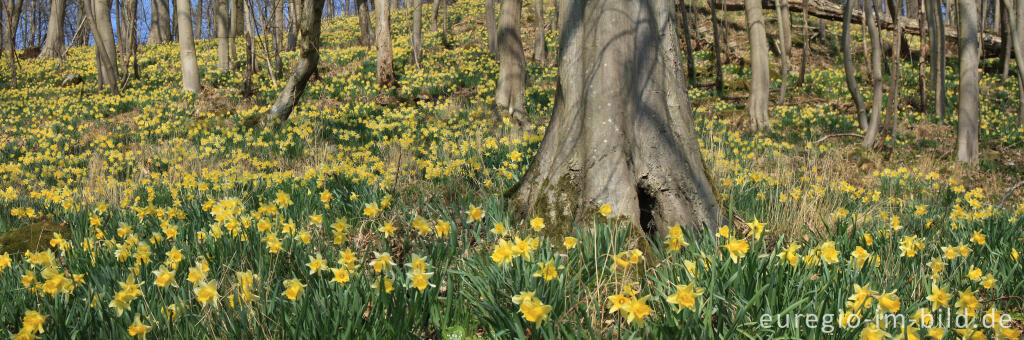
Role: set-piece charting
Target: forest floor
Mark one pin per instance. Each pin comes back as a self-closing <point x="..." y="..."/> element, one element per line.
<point x="379" y="212"/>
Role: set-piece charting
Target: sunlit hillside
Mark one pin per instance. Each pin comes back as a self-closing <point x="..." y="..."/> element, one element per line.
<point x="382" y="212"/>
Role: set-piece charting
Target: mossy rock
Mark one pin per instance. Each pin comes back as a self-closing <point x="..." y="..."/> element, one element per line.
<point x="34" y="237"/>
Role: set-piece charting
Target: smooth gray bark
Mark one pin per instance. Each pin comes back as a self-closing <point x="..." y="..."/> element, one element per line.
<point x="365" y="34"/>
<point x="849" y="70"/>
<point x="968" y="119"/>
<point x="54" y="45"/>
<point x="622" y="133"/>
<point x="874" y="121"/>
<point x="417" y="31"/>
<point x="492" y="28"/>
<point x="160" y="26"/>
<point x="540" y="46"/>
<point x="103" y="33"/>
<point x="222" y="25"/>
<point x="786" y="40"/>
<point x="511" y="87"/>
<point x="309" y="57"/>
<point x="385" y="69"/>
<point x="187" y="47"/>
<point x="757" y="104"/>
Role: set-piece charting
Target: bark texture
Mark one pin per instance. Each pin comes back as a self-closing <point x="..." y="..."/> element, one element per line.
<point x="849" y="70"/>
<point x="622" y="132"/>
<point x="492" y="28"/>
<point x="365" y="35"/>
<point x="103" y="33"/>
<point x="877" y="85"/>
<point x="417" y="31"/>
<point x="786" y="40"/>
<point x="306" y="63"/>
<point x="511" y="85"/>
<point x="757" y="104"/>
<point x="54" y="45"/>
<point x="1015" y="21"/>
<point x="967" y="121"/>
<point x="222" y="20"/>
<point x="160" y="26"/>
<point x="187" y="47"/>
<point x="540" y="46"/>
<point x="385" y="69"/>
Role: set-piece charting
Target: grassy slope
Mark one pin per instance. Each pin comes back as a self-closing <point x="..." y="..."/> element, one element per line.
<point x="127" y="172"/>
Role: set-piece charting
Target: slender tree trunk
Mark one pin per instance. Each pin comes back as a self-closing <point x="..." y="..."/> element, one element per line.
<point x="968" y="119"/>
<point x="250" y="50"/>
<point x="939" y="48"/>
<point x="1015" y="23"/>
<point x="922" y="87"/>
<point x="892" y="118"/>
<point x="54" y="45"/>
<point x="1006" y="51"/>
<point x="294" y="17"/>
<point x="129" y="39"/>
<point x="876" y="74"/>
<point x="366" y="37"/>
<point x="308" y="28"/>
<point x="807" y="45"/>
<point x="757" y="104"/>
<point x="716" y="48"/>
<point x="434" y="15"/>
<point x="511" y="85"/>
<point x="187" y="47"/>
<point x="222" y="19"/>
<point x="234" y="27"/>
<point x="12" y="14"/>
<point x="492" y="29"/>
<point x="540" y="45"/>
<point x="277" y="36"/>
<point x="622" y="132"/>
<point x="444" y="22"/>
<point x="385" y="70"/>
<point x="850" y="70"/>
<point x="417" y="31"/>
<point x="684" y="22"/>
<point x="785" y="39"/>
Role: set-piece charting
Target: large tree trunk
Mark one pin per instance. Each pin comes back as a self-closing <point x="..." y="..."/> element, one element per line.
<point x="385" y="70"/>
<point x="222" y="17"/>
<point x="511" y="85"/>
<point x="234" y="27"/>
<point x="876" y="75"/>
<point x="849" y="70"/>
<point x="306" y="63"/>
<point x="622" y="133"/>
<point x="540" y="45"/>
<point x="786" y="40"/>
<point x="54" y="45"/>
<point x="160" y="27"/>
<point x="187" y="47"/>
<point x="967" y="121"/>
<point x="757" y="104"/>
<point x="1006" y="50"/>
<point x="103" y="33"/>
<point x="365" y="35"/>
<point x="277" y="33"/>
<point x="492" y="29"/>
<point x="417" y="31"/>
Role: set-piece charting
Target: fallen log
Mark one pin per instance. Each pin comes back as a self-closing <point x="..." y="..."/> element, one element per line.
<point x="832" y="11"/>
